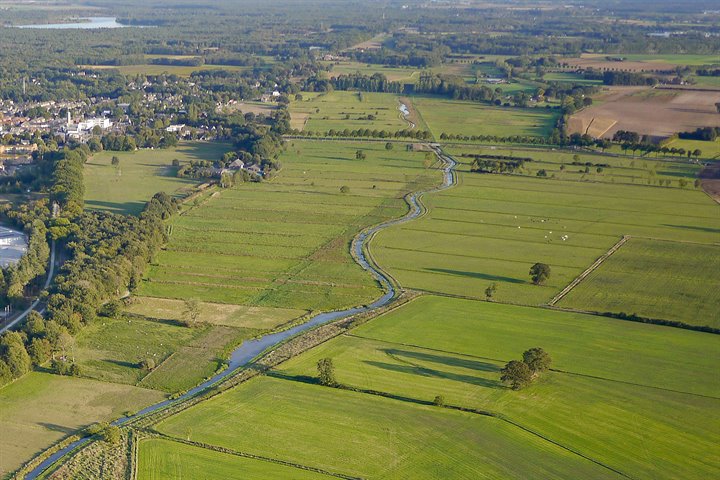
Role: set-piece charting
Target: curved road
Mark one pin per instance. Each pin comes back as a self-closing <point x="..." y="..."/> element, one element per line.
<point x="33" y="306"/>
<point x="251" y="349"/>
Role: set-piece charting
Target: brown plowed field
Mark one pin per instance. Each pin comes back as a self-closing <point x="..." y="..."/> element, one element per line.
<point x="648" y="111"/>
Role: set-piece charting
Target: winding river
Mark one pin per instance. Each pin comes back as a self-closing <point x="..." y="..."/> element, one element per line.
<point x="251" y="349"/>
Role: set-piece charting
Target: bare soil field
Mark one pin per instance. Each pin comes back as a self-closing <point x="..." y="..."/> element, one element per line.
<point x="648" y="111"/>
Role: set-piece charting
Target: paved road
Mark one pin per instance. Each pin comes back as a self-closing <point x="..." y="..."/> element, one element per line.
<point x="9" y="323"/>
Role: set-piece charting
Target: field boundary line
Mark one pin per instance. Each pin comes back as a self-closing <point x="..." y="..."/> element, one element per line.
<point x="237" y="453"/>
<point x="589" y="270"/>
<point x="485" y="413"/>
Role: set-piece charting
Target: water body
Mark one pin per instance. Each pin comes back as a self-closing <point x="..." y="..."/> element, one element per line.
<point x="13" y="245"/>
<point x="251" y="349"/>
<point x="88" y="23"/>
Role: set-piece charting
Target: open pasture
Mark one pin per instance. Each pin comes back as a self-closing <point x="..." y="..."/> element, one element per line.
<point x="569" y="77"/>
<point x="126" y="188"/>
<point x="639" y="396"/>
<point x="372" y="437"/>
<point x="638" y="62"/>
<point x="626" y="169"/>
<point x="152" y="69"/>
<point x="656" y="279"/>
<point x="340" y="110"/>
<point x="111" y="349"/>
<point x="285" y="243"/>
<point x="648" y="111"/>
<point x="493" y="228"/>
<point x="708" y="149"/>
<point x="40" y="409"/>
<point x="393" y="74"/>
<point x="441" y="116"/>
<point x="160" y="459"/>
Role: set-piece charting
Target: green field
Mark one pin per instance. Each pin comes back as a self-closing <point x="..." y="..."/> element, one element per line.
<point x="570" y="78"/>
<point x="285" y="243"/>
<point x="680" y="59"/>
<point x="442" y="116"/>
<point x="492" y="228"/>
<point x="708" y="149"/>
<point x="373" y="437"/>
<point x="39" y="409"/>
<point x="141" y="174"/>
<point x="393" y="74"/>
<point x="640" y="396"/>
<point x="558" y="164"/>
<point x="352" y="110"/>
<point x="678" y="282"/>
<point x="162" y="459"/>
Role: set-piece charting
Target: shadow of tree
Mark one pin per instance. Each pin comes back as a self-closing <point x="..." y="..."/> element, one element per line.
<point x="430" y="372"/>
<point x="482" y="276"/>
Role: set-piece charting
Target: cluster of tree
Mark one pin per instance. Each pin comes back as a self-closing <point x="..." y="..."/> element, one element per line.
<point x="455" y="87"/>
<point x="32" y="266"/>
<point x="495" y="138"/>
<point x="367" y="133"/>
<point x="708" y="72"/>
<point x="376" y="82"/>
<point x="706" y="133"/>
<point x="497" y="163"/>
<point x="628" y="78"/>
<point x="521" y="373"/>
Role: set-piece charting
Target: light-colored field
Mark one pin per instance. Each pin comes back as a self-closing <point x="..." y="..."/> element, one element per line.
<point x="141" y="174"/>
<point x="570" y="78"/>
<point x="627" y="395"/>
<point x="372" y="437"/>
<point x="215" y="313"/>
<point x="160" y="459"/>
<point x="39" y="409"/>
<point x="285" y="243"/>
<point x="340" y="110"/>
<point x="654" y="112"/>
<point x="472" y="118"/>
<point x="656" y="279"/>
<point x="393" y="74"/>
<point x="492" y="228"/>
<point x="150" y="69"/>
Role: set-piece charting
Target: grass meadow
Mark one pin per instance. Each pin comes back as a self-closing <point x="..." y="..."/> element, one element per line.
<point x="558" y="165"/>
<point x="493" y="228"/>
<point x="656" y="279"/>
<point x="338" y="110"/>
<point x="640" y="396"/>
<point x="141" y="174"/>
<point x="160" y="459"/>
<point x="441" y="115"/>
<point x="39" y="409"/>
<point x="285" y="243"/>
<point x="371" y="437"/>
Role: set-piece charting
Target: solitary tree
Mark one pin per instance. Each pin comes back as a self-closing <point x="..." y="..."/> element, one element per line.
<point x="344" y="189"/>
<point x="360" y="155"/>
<point x="517" y="374"/>
<point x="192" y="311"/>
<point x="326" y="372"/>
<point x="490" y="291"/>
<point x="539" y="273"/>
<point x="389" y="146"/>
<point x="537" y="360"/>
<point x="115" y="160"/>
<point x="147" y="364"/>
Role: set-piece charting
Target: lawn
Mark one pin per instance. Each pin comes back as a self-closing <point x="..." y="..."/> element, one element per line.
<point x="160" y="459"/>
<point x="656" y="279"/>
<point x="632" y="396"/>
<point x="569" y="77"/>
<point x="39" y="409"/>
<point x="708" y="149"/>
<point x="493" y="228"/>
<point x="141" y="174"/>
<point x="393" y="74"/>
<point x="285" y="243"/>
<point x="352" y="110"/>
<point x="372" y="437"/>
<point x="472" y="118"/>
<point x="152" y="69"/>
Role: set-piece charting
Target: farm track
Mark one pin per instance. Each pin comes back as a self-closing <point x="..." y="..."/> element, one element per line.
<point x="589" y="270"/>
<point x="252" y="349"/>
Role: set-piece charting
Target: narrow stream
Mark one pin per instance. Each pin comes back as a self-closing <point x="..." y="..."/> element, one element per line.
<point x="251" y="349"/>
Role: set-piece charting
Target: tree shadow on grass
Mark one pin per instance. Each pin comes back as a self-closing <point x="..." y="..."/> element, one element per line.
<point x="445" y="360"/>
<point x="482" y="276"/>
<point x="121" y="363"/>
<point x="57" y="428"/>
<point x="430" y="372"/>
<point x="690" y="227"/>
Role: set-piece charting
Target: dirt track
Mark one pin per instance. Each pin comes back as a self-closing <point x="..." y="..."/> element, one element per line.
<point x="648" y="111"/>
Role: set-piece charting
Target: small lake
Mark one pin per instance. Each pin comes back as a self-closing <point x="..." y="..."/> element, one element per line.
<point x="87" y="23"/>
